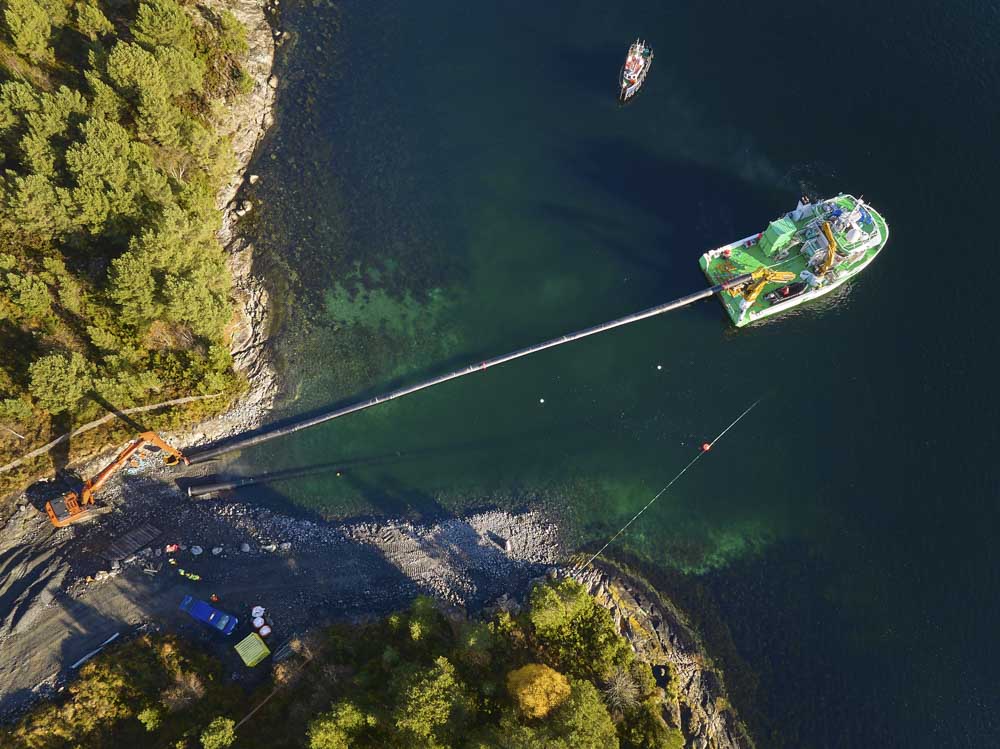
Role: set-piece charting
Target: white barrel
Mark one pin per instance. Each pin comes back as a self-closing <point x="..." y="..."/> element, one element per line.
<point x="258" y="622"/>
<point x="265" y="631"/>
<point x="257" y="611"/>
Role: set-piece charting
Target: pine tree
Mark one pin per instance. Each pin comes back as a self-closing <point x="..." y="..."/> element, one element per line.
<point x="104" y="166"/>
<point x="30" y="29"/>
<point x="59" y="381"/>
<point x="163" y="23"/>
<point x="91" y="21"/>
<point x="36" y="208"/>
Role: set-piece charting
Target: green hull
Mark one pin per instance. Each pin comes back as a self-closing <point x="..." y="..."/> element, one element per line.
<point x="786" y="246"/>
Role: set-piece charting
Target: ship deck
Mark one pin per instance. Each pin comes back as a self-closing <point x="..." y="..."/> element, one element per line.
<point x="744" y="259"/>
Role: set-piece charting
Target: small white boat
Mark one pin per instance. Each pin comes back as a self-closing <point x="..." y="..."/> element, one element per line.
<point x="637" y="64"/>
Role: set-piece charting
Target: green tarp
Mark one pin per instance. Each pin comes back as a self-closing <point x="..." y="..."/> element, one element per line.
<point x="777" y="235"/>
<point x="252" y="649"/>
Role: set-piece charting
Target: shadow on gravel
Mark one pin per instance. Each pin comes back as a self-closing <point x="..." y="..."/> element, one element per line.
<point x="25" y="577"/>
<point x="86" y="628"/>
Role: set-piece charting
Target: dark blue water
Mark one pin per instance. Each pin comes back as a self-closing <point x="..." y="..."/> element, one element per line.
<point x="448" y="181"/>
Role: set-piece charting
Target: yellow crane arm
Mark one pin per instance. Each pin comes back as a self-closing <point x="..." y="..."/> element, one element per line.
<point x="831" y="252"/>
<point x="758" y="280"/>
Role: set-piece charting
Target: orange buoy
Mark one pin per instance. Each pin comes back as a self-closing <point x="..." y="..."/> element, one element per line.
<point x="706" y="446"/>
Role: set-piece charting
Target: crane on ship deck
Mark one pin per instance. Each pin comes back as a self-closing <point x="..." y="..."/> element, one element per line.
<point x="756" y="282"/>
<point x="831" y="251"/>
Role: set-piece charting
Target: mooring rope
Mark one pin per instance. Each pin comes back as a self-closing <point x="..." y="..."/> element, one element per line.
<point x="670" y="483"/>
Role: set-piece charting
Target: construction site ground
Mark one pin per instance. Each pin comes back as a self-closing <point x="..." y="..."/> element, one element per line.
<point x="61" y="596"/>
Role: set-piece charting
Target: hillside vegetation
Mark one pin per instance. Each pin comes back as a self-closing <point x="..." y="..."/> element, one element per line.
<point x="113" y="287"/>
<point x="557" y="676"/>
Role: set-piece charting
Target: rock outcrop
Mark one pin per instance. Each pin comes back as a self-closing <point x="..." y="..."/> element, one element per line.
<point x="246" y="123"/>
<point x="662" y="638"/>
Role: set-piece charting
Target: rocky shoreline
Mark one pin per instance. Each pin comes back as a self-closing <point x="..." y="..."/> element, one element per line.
<point x="247" y="123"/>
<point x="661" y="636"/>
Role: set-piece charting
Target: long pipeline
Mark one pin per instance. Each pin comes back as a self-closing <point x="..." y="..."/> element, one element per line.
<point x="256" y="439"/>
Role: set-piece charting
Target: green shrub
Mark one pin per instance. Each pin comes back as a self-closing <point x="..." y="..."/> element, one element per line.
<point x="29" y="294"/>
<point x="244" y="82"/>
<point x="642" y="727"/>
<point x="15" y="411"/>
<point x="581" y="722"/>
<point x="340" y="728"/>
<point x="151" y="718"/>
<point x="219" y="734"/>
<point x="232" y="35"/>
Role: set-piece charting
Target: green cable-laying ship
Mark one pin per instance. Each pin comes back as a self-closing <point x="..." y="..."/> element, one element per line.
<point x="803" y="255"/>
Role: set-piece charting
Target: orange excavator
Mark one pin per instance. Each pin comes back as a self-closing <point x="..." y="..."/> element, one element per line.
<point x="73" y="507"/>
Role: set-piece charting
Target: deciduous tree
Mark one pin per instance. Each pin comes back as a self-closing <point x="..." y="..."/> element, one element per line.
<point x="219" y="734"/>
<point x="537" y="689"/>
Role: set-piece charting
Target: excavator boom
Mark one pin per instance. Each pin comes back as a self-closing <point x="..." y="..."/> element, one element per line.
<point x="72" y="506"/>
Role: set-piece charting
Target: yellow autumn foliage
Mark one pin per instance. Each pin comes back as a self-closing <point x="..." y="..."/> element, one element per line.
<point x="537" y="689"/>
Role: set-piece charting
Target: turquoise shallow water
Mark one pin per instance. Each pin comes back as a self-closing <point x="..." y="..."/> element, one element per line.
<point x="447" y="182"/>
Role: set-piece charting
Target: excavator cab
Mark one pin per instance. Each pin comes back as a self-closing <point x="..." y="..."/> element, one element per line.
<point x="73" y="506"/>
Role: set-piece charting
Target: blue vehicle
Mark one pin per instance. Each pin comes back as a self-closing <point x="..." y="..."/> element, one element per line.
<point x="210" y="615"/>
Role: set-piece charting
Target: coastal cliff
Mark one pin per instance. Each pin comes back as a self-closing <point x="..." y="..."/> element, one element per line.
<point x="246" y="123"/>
<point x="661" y="637"/>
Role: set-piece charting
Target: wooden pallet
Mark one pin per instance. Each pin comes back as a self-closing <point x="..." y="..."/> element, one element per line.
<point x="131" y="542"/>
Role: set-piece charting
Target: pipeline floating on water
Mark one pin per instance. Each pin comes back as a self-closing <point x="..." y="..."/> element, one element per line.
<point x="200" y="456"/>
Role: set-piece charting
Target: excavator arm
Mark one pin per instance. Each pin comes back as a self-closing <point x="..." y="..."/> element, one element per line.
<point x="73" y="506"/>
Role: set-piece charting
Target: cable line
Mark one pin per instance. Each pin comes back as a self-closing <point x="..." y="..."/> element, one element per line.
<point x="705" y="448"/>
